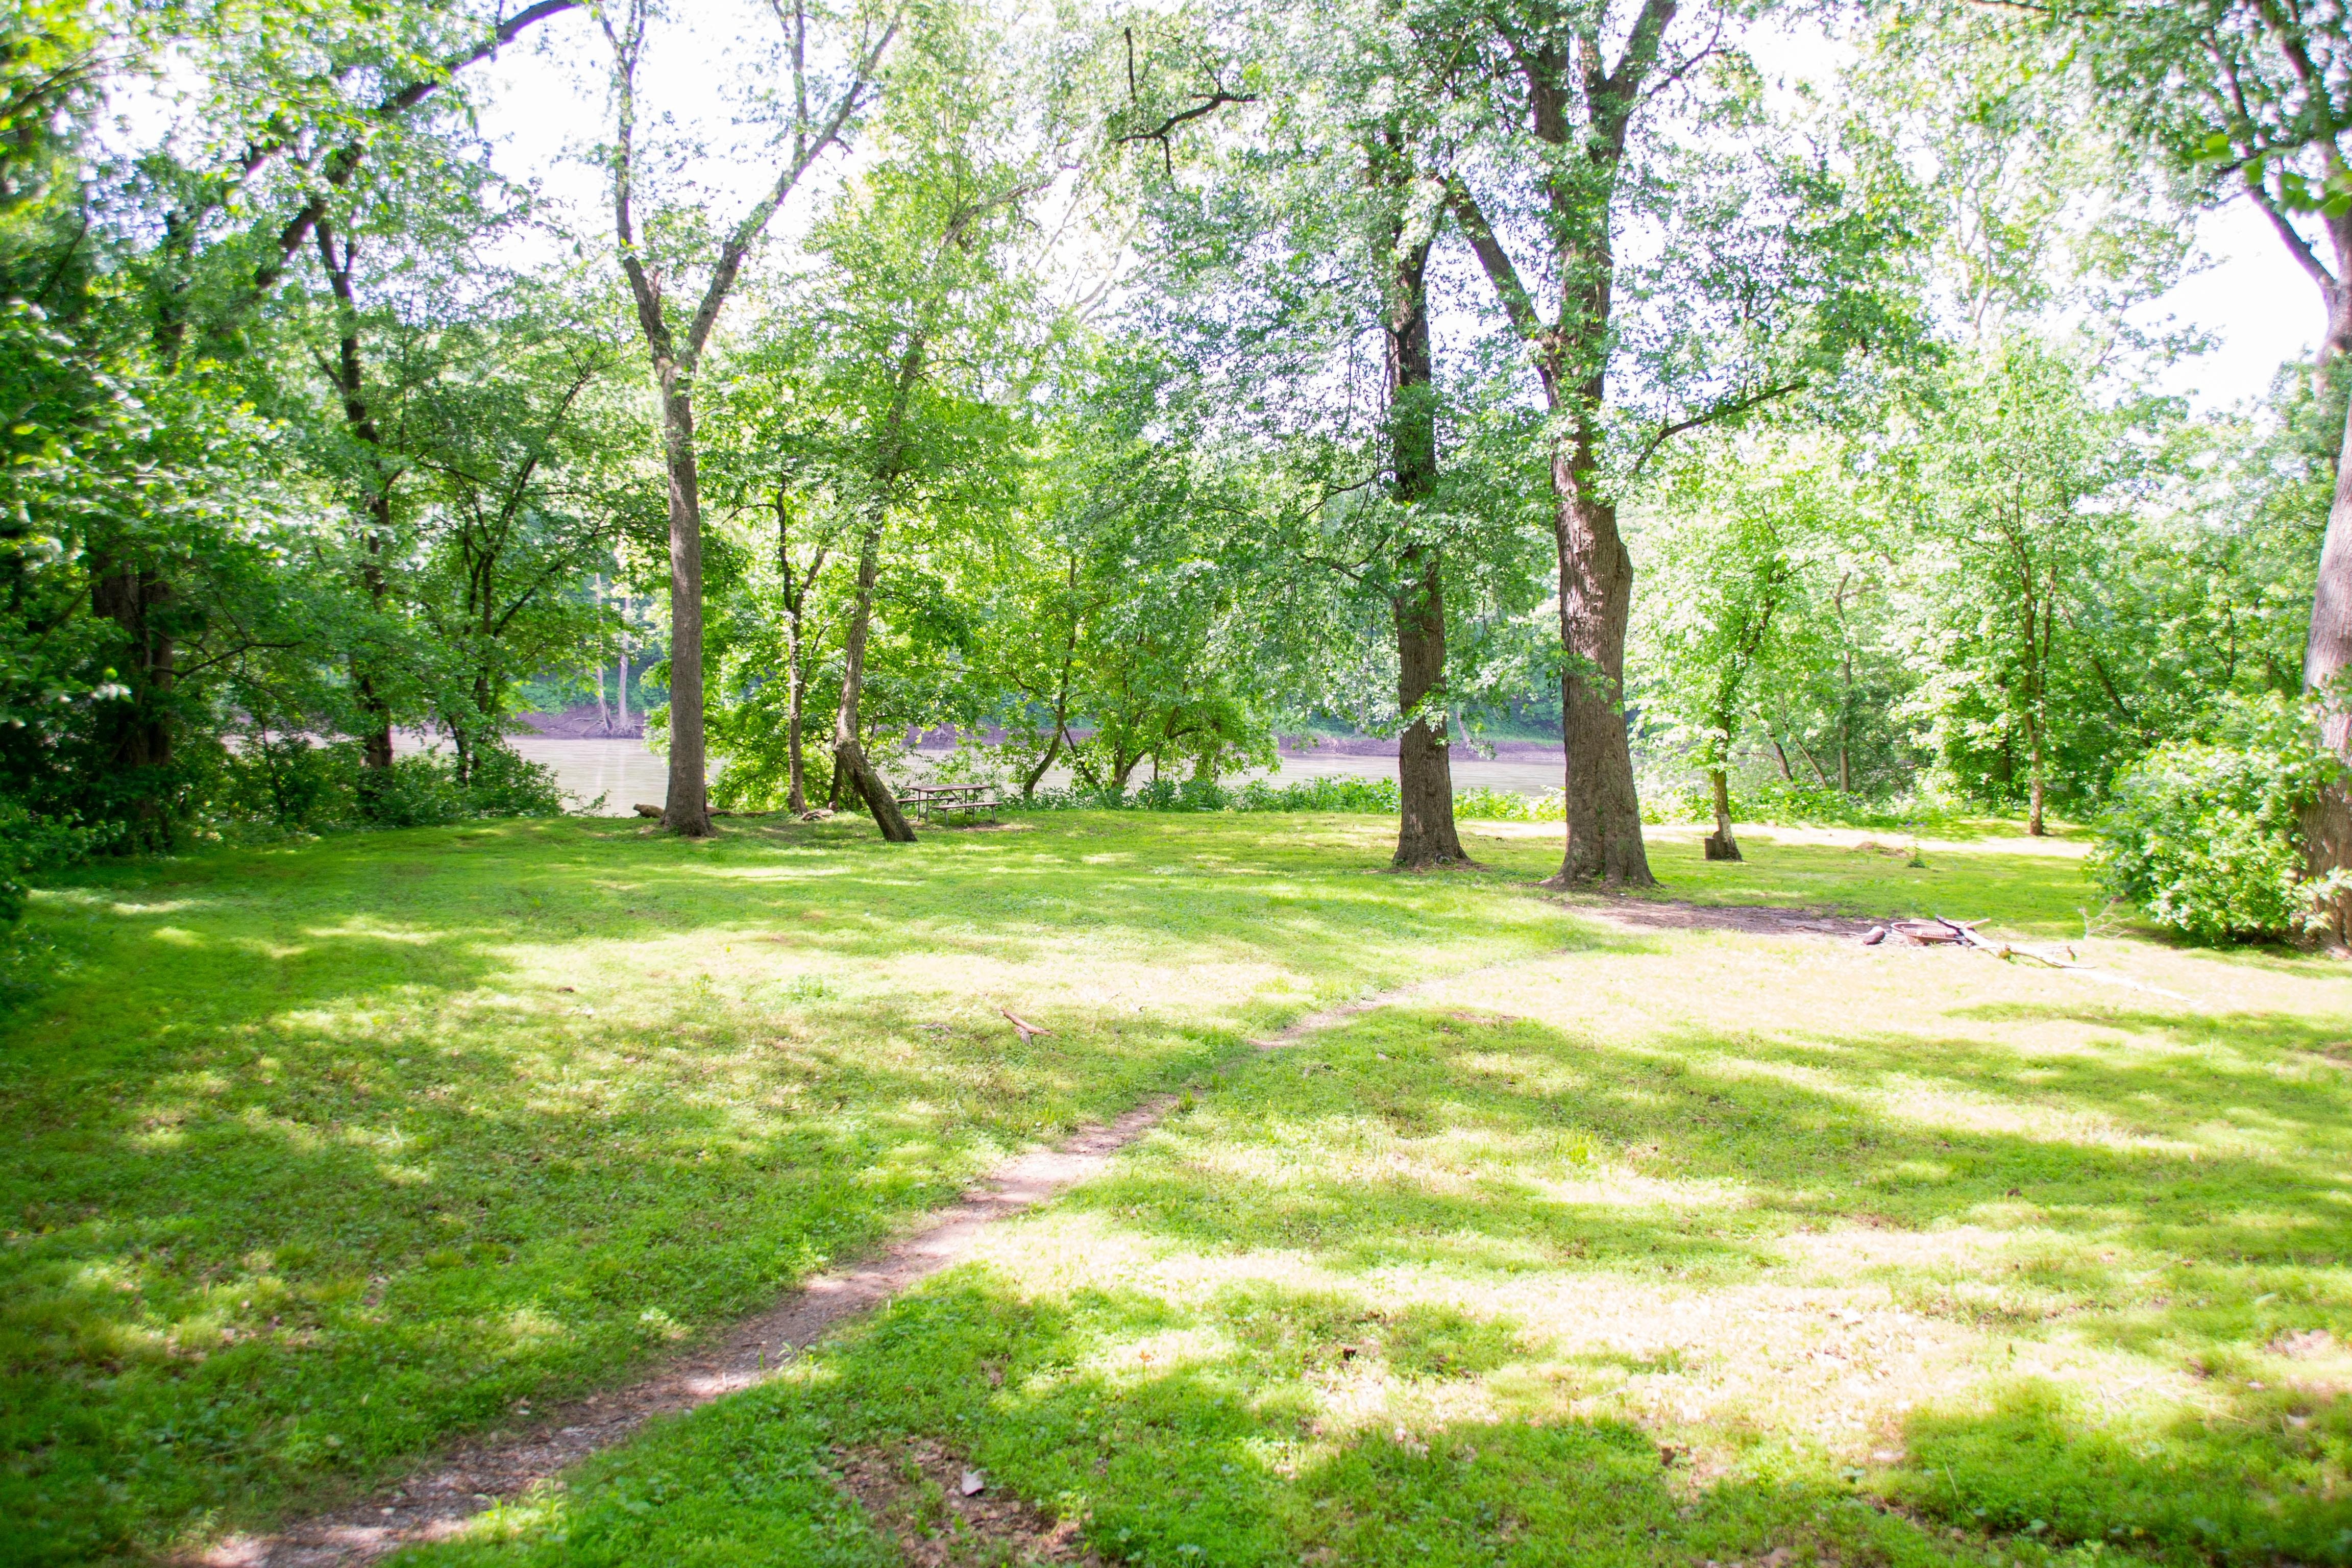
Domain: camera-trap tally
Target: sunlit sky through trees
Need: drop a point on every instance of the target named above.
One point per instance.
(545, 114)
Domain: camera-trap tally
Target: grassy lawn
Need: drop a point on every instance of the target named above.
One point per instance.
(1614, 1247)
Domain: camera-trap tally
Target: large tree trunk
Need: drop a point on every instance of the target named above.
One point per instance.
(2326, 653)
(1596, 598)
(1426, 831)
(849, 758)
(687, 808)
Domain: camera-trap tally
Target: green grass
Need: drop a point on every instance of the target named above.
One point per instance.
(319, 1163)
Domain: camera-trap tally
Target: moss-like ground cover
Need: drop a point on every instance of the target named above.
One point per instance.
(1618, 1248)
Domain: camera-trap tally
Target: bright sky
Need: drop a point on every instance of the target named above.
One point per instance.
(2255, 300)
(546, 104)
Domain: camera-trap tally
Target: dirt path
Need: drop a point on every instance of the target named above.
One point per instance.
(437, 1503)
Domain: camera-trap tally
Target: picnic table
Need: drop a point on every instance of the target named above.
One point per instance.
(936, 800)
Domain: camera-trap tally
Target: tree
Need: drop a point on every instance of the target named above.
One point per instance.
(676, 355)
(1342, 172)
(2016, 482)
(1743, 524)
(2244, 99)
(283, 136)
(1770, 279)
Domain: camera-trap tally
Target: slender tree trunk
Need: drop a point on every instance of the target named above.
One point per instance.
(849, 758)
(1720, 844)
(1061, 693)
(603, 708)
(2034, 787)
(796, 691)
(1061, 719)
(359, 418)
(375, 737)
(1425, 830)
(1785, 770)
(138, 728)
(1045, 765)
(1811, 761)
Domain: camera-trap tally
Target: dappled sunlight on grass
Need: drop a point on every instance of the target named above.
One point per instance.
(1604, 1245)
(1864, 1256)
(609, 1086)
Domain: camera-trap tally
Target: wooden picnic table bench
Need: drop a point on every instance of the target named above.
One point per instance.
(935, 800)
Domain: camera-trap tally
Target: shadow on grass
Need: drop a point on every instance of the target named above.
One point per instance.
(312, 1164)
(1220, 1460)
(1257, 1422)
(2194, 1258)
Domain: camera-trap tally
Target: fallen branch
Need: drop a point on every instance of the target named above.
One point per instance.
(1028, 1031)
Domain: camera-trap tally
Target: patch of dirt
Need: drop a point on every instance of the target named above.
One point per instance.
(1755, 919)
(914, 1492)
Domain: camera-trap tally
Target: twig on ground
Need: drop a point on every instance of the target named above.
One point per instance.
(1027, 1030)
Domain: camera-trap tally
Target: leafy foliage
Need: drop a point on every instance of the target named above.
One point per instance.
(2204, 835)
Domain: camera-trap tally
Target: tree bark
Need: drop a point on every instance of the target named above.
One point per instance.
(1603, 830)
(2326, 653)
(796, 594)
(359, 418)
(849, 758)
(138, 730)
(2033, 823)
(687, 810)
(1720, 844)
(1426, 831)
(795, 767)
(1596, 578)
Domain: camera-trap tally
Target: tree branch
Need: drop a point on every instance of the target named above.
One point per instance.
(344, 164)
(1736, 406)
(730, 258)
(1209, 105)
(1517, 302)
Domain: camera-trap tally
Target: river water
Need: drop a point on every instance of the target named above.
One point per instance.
(623, 772)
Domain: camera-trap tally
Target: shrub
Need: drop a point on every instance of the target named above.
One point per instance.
(506, 784)
(2206, 836)
(288, 785)
(28, 843)
(1343, 793)
(1481, 804)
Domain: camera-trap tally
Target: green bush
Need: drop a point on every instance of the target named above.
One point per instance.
(1344, 792)
(1480, 803)
(28, 843)
(288, 785)
(2205, 835)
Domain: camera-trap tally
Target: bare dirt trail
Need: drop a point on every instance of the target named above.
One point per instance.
(436, 1503)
